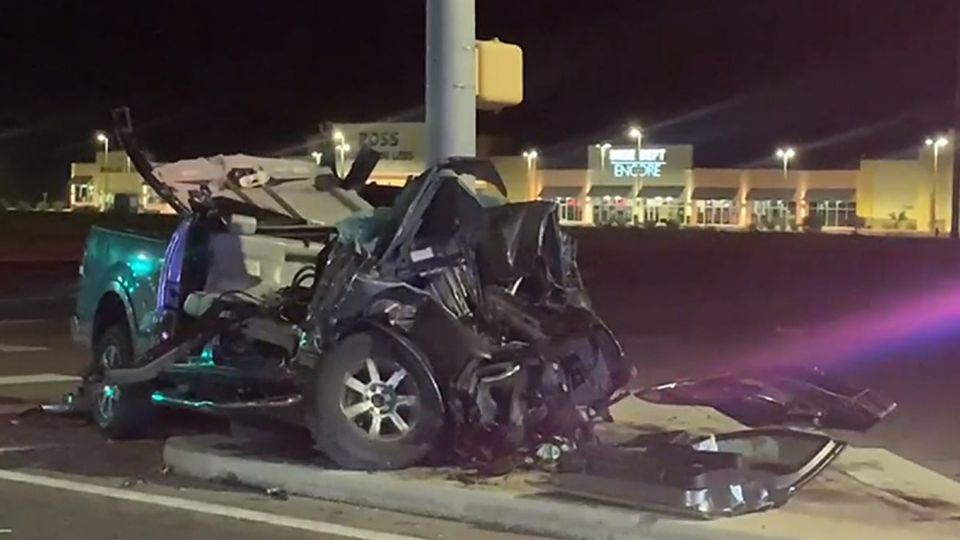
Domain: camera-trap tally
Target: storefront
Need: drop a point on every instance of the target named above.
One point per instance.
(660, 206)
(611, 205)
(568, 199)
(639, 186)
(715, 206)
(772, 209)
(833, 207)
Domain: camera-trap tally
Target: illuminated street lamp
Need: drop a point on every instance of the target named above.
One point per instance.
(937, 143)
(342, 149)
(531, 156)
(603, 154)
(103, 139)
(317, 156)
(785, 155)
(637, 133)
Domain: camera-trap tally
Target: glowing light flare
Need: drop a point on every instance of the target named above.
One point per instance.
(142, 265)
(923, 321)
(786, 153)
(937, 142)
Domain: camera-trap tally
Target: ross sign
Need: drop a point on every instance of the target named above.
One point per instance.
(638, 163)
(387, 143)
(396, 141)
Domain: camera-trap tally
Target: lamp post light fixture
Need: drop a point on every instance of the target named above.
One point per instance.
(604, 148)
(342, 149)
(936, 143)
(785, 155)
(105, 141)
(317, 156)
(531, 156)
(637, 133)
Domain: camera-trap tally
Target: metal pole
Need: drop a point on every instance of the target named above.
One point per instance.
(955, 191)
(933, 188)
(451, 85)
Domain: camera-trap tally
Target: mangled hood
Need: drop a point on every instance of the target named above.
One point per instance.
(289, 187)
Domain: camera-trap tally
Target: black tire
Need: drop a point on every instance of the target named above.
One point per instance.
(131, 414)
(349, 442)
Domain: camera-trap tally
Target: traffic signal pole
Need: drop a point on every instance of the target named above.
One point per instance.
(955, 191)
(451, 80)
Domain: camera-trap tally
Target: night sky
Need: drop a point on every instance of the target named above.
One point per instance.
(839, 79)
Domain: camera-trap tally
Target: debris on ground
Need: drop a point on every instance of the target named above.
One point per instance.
(276, 493)
(132, 482)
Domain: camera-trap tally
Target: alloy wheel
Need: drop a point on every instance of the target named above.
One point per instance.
(380, 398)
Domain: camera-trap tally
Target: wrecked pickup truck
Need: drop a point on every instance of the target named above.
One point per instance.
(397, 324)
(445, 321)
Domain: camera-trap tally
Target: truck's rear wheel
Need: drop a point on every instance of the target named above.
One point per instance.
(373, 406)
(121, 411)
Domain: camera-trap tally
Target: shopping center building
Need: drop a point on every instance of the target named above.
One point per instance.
(659, 186)
(623, 185)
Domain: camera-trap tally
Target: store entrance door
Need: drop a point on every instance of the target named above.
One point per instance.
(611, 211)
(661, 212)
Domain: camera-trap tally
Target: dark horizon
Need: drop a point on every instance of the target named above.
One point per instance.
(862, 78)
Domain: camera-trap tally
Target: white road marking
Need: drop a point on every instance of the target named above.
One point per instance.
(200, 507)
(21, 348)
(39, 378)
(28, 299)
(16, 408)
(15, 449)
(8, 322)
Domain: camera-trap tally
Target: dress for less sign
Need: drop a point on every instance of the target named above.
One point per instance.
(633, 162)
(396, 141)
(649, 163)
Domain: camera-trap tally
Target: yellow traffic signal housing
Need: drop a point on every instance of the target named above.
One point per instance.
(499, 75)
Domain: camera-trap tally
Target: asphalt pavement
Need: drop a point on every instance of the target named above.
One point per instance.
(118, 490)
(51, 506)
(38, 363)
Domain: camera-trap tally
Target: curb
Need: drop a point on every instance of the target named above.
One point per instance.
(217, 458)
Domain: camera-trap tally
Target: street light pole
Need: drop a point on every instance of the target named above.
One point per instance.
(451, 79)
(342, 149)
(531, 157)
(936, 144)
(338, 139)
(603, 155)
(955, 191)
(785, 155)
(102, 137)
(637, 133)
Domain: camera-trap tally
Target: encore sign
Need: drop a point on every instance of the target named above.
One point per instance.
(639, 163)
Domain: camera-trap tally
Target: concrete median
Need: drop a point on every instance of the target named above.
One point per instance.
(521, 503)
(838, 504)
(516, 505)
